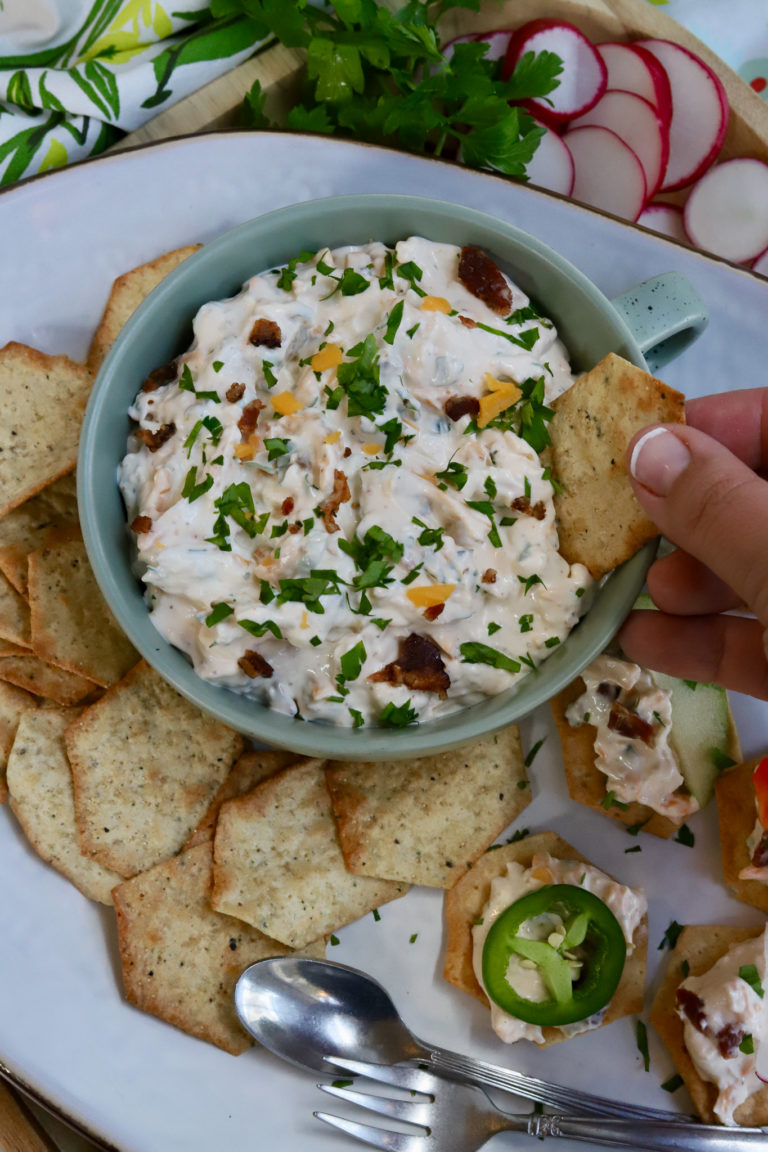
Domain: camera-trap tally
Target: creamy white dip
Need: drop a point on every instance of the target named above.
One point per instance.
(618, 698)
(726, 1011)
(628, 906)
(755, 840)
(291, 560)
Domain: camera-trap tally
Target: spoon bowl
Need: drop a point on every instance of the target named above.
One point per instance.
(304, 1010)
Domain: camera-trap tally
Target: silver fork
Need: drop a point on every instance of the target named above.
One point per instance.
(460, 1118)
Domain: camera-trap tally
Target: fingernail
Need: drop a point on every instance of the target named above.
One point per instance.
(657, 460)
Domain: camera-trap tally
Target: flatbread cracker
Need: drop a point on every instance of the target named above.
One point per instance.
(44, 399)
(14, 616)
(34, 675)
(72, 627)
(735, 798)
(278, 864)
(586, 783)
(426, 821)
(14, 702)
(599, 521)
(41, 797)
(24, 529)
(127, 293)
(701, 946)
(249, 771)
(146, 764)
(465, 902)
(181, 959)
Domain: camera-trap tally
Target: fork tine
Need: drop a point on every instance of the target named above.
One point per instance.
(398, 1075)
(377, 1137)
(412, 1111)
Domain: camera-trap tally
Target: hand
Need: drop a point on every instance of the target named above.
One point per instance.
(702, 484)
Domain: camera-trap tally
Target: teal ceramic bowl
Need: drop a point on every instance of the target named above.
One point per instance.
(160, 329)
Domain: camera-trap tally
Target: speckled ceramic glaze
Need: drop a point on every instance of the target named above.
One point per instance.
(659, 317)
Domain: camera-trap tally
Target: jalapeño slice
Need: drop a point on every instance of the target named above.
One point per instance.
(591, 934)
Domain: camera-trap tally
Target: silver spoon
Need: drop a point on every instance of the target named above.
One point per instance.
(304, 1010)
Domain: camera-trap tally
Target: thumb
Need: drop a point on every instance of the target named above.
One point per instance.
(705, 500)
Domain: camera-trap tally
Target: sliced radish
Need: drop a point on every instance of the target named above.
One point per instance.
(667, 219)
(699, 112)
(761, 264)
(639, 125)
(552, 164)
(727, 210)
(497, 42)
(608, 174)
(632, 68)
(584, 76)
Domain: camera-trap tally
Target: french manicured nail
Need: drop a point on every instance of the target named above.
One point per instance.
(657, 460)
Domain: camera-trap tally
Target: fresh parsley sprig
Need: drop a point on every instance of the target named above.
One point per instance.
(377, 75)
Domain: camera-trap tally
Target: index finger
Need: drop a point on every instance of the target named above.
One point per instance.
(739, 420)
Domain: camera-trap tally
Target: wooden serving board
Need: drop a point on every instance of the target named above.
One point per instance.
(217, 105)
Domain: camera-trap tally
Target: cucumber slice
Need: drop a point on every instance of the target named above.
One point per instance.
(701, 727)
(700, 732)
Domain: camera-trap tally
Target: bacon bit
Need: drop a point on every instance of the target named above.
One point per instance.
(434, 611)
(347, 453)
(254, 665)
(457, 406)
(235, 393)
(159, 376)
(728, 1039)
(468, 322)
(141, 524)
(692, 1007)
(523, 504)
(419, 666)
(295, 527)
(605, 688)
(489, 576)
(156, 439)
(629, 724)
(287, 506)
(435, 304)
(340, 495)
(249, 418)
(480, 275)
(265, 334)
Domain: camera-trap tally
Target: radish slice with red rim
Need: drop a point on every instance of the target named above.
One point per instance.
(726, 212)
(608, 174)
(552, 164)
(700, 112)
(498, 43)
(632, 68)
(639, 125)
(584, 76)
(761, 264)
(666, 219)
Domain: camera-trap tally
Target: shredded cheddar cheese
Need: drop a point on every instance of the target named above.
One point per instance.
(285, 404)
(329, 357)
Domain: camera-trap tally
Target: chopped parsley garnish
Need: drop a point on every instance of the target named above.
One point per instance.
(552, 642)
(430, 537)
(193, 491)
(414, 938)
(276, 447)
(522, 315)
(530, 581)
(634, 848)
(392, 430)
(526, 622)
(475, 653)
(212, 425)
(673, 1083)
(308, 589)
(218, 365)
(490, 487)
(411, 272)
(350, 283)
(393, 322)
(308, 525)
(374, 556)
(634, 829)
(278, 530)
(353, 660)
(269, 374)
(411, 576)
(518, 835)
(685, 836)
(747, 1045)
(642, 1045)
(493, 627)
(357, 717)
(487, 509)
(236, 502)
(749, 973)
(721, 760)
(610, 801)
(670, 936)
(187, 384)
(261, 629)
(376, 915)
(411, 332)
(218, 613)
(455, 474)
(533, 752)
(359, 379)
(315, 641)
(288, 274)
(386, 281)
(397, 715)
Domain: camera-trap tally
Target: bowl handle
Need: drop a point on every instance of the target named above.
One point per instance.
(665, 314)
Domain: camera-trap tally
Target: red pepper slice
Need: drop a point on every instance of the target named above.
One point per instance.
(760, 781)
